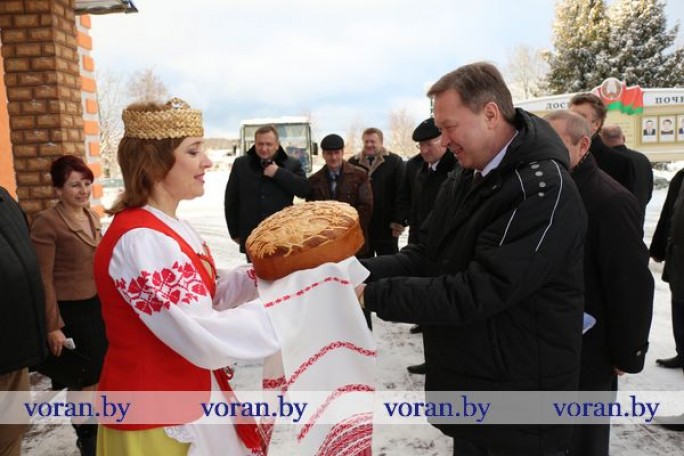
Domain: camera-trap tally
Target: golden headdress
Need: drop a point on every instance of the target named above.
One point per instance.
(176, 120)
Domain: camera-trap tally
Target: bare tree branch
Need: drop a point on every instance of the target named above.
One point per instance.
(401, 127)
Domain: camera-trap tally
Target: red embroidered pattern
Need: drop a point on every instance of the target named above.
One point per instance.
(342, 390)
(306, 289)
(155, 290)
(325, 350)
(283, 384)
(274, 383)
(352, 436)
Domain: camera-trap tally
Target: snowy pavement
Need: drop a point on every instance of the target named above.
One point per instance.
(397, 349)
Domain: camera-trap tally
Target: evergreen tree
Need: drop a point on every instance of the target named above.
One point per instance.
(580, 58)
(639, 41)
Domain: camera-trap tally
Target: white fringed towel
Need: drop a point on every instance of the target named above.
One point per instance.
(326, 347)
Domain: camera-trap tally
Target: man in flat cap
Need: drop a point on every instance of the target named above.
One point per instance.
(338, 180)
(425, 174)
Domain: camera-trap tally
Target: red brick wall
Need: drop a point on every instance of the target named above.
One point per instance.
(7, 179)
(43, 81)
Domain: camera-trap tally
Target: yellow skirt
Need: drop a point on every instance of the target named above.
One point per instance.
(149, 442)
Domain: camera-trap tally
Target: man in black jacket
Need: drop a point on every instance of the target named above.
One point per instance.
(618, 166)
(660, 251)
(22, 312)
(496, 277)
(262, 182)
(421, 187)
(613, 137)
(618, 284)
(386, 172)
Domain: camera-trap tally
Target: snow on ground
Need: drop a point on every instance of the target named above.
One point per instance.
(398, 349)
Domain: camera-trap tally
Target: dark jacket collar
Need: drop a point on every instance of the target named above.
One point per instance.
(536, 141)
(280, 155)
(584, 170)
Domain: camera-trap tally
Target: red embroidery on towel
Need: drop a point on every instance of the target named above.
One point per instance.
(341, 391)
(305, 290)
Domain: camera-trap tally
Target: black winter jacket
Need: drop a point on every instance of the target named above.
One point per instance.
(22, 306)
(426, 185)
(618, 283)
(497, 282)
(674, 256)
(661, 242)
(251, 196)
(616, 165)
(643, 176)
(386, 177)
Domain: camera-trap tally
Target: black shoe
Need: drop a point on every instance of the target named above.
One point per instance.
(415, 329)
(670, 363)
(671, 423)
(419, 369)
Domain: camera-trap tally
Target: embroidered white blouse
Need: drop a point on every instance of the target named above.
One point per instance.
(208, 334)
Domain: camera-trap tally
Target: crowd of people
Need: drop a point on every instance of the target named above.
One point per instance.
(518, 227)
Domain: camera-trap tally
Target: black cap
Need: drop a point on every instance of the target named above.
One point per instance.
(332, 142)
(426, 131)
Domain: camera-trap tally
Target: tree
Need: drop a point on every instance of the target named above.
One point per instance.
(580, 57)
(112, 97)
(526, 71)
(401, 127)
(639, 40)
(110, 103)
(145, 86)
(352, 142)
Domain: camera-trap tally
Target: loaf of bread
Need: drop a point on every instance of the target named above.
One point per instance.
(304, 236)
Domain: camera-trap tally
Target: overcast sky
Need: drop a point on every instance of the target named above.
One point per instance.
(343, 61)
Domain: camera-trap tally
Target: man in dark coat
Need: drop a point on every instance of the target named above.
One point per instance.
(423, 185)
(426, 179)
(618, 166)
(340, 181)
(618, 284)
(496, 277)
(386, 172)
(614, 138)
(660, 251)
(262, 182)
(22, 312)
(673, 273)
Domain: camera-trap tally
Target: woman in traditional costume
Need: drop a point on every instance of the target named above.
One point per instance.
(173, 322)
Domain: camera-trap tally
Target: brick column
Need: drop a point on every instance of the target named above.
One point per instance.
(39, 49)
(91, 125)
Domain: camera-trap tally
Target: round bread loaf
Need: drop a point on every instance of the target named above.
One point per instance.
(304, 236)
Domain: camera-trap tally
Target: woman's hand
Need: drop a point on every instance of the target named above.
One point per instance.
(56, 341)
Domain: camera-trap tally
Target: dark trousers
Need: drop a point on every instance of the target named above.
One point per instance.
(466, 448)
(678, 325)
(594, 439)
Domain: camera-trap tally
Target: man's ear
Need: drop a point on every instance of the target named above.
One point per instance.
(585, 144)
(492, 114)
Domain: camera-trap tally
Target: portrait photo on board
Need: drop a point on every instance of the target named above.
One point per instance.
(667, 128)
(648, 129)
